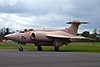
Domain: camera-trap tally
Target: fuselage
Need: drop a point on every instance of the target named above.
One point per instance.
(46, 37)
(37, 37)
(26, 37)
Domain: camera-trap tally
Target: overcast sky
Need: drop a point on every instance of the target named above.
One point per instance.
(37, 14)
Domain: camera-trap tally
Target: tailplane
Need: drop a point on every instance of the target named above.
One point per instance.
(74, 27)
(77, 22)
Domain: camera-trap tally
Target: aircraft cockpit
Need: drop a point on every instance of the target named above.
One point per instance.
(25, 30)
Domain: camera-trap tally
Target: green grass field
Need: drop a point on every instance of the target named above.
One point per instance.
(75, 47)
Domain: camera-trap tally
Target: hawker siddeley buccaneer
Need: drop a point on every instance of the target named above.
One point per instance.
(55, 38)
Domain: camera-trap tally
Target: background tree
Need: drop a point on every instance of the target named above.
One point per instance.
(97, 39)
(95, 31)
(99, 32)
(86, 34)
(7, 31)
(2, 33)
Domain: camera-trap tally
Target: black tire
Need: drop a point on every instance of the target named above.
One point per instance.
(39, 47)
(20, 49)
(56, 48)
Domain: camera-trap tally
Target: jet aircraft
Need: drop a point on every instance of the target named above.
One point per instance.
(55, 38)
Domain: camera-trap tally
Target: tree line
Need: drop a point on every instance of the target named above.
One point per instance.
(3, 32)
(94, 37)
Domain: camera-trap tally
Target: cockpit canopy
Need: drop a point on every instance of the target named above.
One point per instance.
(25, 30)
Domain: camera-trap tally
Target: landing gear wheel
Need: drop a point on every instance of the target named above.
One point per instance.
(39, 48)
(20, 49)
(56, 48)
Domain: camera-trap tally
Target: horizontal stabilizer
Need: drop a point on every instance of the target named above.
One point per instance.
(76, 22)
(84, 23)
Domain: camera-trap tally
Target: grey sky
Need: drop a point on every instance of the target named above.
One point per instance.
(18, 14)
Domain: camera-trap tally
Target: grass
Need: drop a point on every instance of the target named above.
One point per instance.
(75, 47)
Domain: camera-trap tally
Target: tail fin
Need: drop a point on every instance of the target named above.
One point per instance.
(74, 27)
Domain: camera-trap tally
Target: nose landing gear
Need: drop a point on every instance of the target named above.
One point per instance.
(20, 48)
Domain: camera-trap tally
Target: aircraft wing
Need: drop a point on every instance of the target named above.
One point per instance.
(67, 36)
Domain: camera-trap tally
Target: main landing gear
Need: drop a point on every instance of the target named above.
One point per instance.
(56, 47)
(39, 47)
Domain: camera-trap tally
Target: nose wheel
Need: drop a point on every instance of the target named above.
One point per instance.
(20, 48)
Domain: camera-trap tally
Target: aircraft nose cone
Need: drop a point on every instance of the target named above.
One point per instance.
(11, 37)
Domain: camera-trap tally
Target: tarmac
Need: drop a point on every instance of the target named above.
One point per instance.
(30, 58)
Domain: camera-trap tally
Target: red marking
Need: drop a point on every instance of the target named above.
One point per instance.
(26, 32)
(29, 32)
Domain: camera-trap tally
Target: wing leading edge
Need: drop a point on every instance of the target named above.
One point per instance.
(65, 36)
